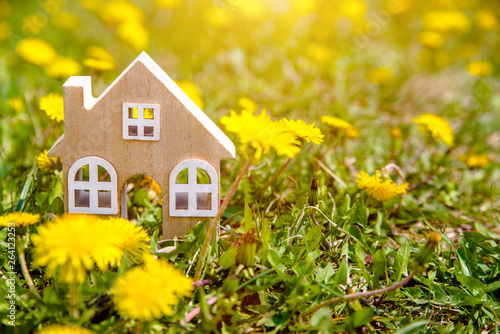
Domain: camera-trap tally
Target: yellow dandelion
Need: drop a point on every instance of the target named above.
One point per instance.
(259, 134)
(396, 133)
(247, 104)
(169, 4)
(128, 238)
(479, 68)
(5, 30)
(380, 188)
(478, 161)
(53, 105)
(134, 34)
(36, 51)
(16, 103)
(66, 20)
(99, 59)
(20, 219)
(431, 39)
(446, 21)
(48, 164)
(72, 245)
(437, 126)
(341, 126)
(192, 91)
(486, 20)
(64, 329)
(303, 131)
(115, 12)
(379, 75)
(149, 292)
(63, 67)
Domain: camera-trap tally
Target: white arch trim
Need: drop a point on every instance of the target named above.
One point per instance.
(93, 186)
(192, 188)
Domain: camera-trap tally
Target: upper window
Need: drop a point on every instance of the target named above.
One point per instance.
(194, 189)
(92, 187)
(141, 121)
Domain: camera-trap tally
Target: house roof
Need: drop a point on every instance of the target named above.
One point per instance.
(157, 71)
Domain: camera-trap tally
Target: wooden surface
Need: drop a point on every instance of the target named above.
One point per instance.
(93, 127)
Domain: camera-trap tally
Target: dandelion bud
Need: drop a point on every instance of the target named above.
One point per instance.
(425, 253)
(247, 248)
(313, 196)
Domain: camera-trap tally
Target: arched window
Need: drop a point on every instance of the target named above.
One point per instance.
(92, 187)
(194, 190)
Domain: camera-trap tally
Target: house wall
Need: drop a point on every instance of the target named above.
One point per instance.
(98, 132)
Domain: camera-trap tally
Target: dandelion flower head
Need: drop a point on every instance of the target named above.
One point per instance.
(341, 126)
(380, 188)
(149, 292)
(99, 59)
(303, 131)
(64, 329)
(72, 245)
(247, 103)
(20, 219)
(380, 75)
(478, 161)
(16, 103)
(191, 91)
(46, 163)
(133, 33)
(479, 68)
(437, 126)
(53, 105)
(258, 134)
(63, 67)
(36, 51)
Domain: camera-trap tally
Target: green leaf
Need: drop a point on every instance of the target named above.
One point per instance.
(401, 262)
(322, 320)
(247, 217)
(228, 259)
(358, 213)
(355, 231)
(413, 326)
(57, 206)
(379, 264)
(313, 237)
(362, 317)
(326, 273)
(342, 272)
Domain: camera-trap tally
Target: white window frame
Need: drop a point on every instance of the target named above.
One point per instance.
(140, 122)
(192, 188)
(93, 185)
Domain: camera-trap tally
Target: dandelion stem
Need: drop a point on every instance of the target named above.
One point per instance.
(356, 296)
(214, 222)
(117, 327)
(275, 176)
(74, 300)
(138, 327)
(26, 273)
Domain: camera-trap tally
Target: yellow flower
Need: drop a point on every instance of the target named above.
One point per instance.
(437, 126)
(478, 161)
(382, 189)
(16, 103)
(64, 329)
(247, 104)
(192, 91)
(396, 133)
(128, 237)
(5, 30)
(380, 75)
(72, 245)
(20, 219)
(353, 8)
(258, 134)
(115, 12)
(93, 5)
(151, 291)
(341, 125)
(53, 105)
(133, 33)
(46, 163)
(303, 131)
(170, 4)
(99, 59)
(486, 20)
(65, 20)
(479, 68)
(63, 67)
(431, 39)
(446, 21)
(36, 51)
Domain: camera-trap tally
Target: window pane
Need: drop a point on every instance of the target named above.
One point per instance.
(149, 131)
(148, 113)
(203, 201)
(132, 130)
(82, 174)
(132, 113)
(103, 174)
(182, 177)
(181, 201)
(202, 177)
(82, 199)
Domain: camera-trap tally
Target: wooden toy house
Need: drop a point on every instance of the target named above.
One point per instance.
(143, 123)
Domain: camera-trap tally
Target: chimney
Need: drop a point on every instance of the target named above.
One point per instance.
(77, 92)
